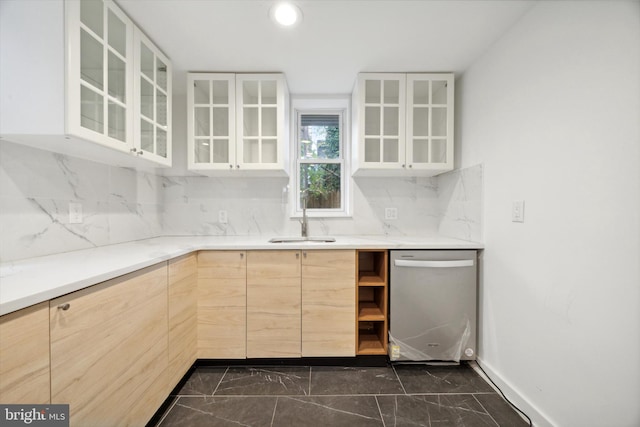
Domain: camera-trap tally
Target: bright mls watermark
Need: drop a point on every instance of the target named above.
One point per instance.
(34, 415)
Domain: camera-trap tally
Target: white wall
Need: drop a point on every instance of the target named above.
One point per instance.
(552, 110)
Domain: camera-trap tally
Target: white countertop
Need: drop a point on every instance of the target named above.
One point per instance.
(34, 280)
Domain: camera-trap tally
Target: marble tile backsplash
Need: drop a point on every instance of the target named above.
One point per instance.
(36, 187)
(121, 204)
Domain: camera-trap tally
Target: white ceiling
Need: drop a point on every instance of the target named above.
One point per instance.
(336, 40)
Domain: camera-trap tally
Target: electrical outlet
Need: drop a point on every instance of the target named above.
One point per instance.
(75, 213)
(391, 213)
(223, 218)
(517, 211)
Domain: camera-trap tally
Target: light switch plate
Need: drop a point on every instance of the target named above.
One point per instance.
(391, 213)
(223, 218)
(75, 213)
(517, 211)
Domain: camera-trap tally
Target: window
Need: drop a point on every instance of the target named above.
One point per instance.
(320, 179)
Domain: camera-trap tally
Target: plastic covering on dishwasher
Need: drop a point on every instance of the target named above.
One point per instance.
(446, 342)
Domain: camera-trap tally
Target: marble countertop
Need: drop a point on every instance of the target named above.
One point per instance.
(34, 280)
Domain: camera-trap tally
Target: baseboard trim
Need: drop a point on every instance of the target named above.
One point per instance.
(538, 418)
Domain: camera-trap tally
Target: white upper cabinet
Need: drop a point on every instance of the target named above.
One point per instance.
(78, 78)
(211, 99)
(238, 122)
(403, 124)
(152, 113)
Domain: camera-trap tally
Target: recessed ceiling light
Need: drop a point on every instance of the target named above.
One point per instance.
(286, 14)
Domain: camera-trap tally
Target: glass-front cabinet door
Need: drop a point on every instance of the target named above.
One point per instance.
(261, 121)
(211, 121)
(430, 121)
(152, 86)
(99, 77)
(381, 103)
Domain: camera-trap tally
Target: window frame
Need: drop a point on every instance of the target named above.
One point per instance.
(334, 105)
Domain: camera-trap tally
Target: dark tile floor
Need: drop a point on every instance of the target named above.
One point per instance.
(404, 395)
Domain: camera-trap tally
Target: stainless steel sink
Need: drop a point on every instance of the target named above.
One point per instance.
(302, 240)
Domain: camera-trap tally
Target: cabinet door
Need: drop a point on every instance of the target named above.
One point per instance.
(262, 121)
(24, 356)
(222, 304)
(99, 73)
(152, 87)
(430, 121)
(381, 102)
(183, 313)
(211, 121)
(273, 304)
(109, 349)
(328, 303)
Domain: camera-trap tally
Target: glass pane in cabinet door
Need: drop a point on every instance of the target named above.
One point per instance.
(372, 121)
(439, 92)
(269, 122)
(202, 151)
(250, 92)
(161, 108)
(117, 121)
(117, 34)
(269, 92)
(221, 151)
(391, 121)
(161, 74)
(420, 151)
(146, 98)
(92, 15)
(251, 151)
(250, 117)
(390, 152)
(372, 150)
(201, 121)
(146, 61)
(220, 92)
(372, 91)
(91, 110)
(420, 92)
(146, 136)
(91, 60)
(438, 121)
(269, 151)
(201, 91)
(161, 142)
(438, 151)
(220, 121)
(117, 77)
(420, 121)
(391, 92)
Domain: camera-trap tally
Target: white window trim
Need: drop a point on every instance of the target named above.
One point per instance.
(326, 104)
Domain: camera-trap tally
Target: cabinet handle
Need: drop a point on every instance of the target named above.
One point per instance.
(410, 166)
(64, 307)
(237, 166)
(230, 166)
(241, 255)
(134, 150)
(140, 153)
(297, 255)
(403, 166)
(304, 254)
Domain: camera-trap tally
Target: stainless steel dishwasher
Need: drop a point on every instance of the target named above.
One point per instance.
(432, 305)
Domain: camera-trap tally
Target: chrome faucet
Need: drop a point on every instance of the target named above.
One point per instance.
(304, 223)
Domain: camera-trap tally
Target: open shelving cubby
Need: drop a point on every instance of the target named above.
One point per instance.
(372, 301)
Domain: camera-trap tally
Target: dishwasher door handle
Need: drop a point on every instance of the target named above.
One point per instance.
(433, 264)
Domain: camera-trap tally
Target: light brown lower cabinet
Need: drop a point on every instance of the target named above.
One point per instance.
(273, 304)
(24, 356)
(183, 315)
(222, 305)
(109, 349)
(328, 303)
